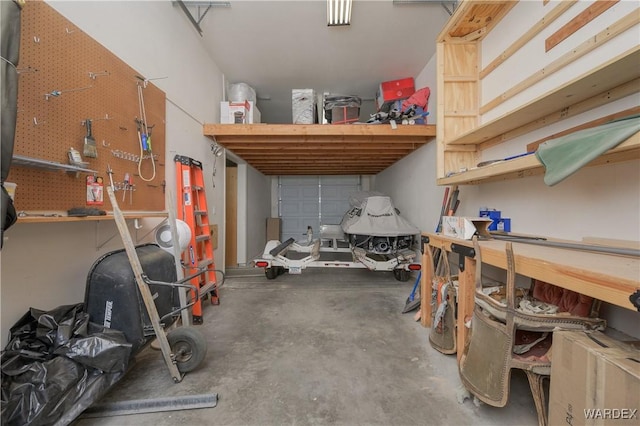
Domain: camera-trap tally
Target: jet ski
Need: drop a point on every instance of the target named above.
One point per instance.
(375, 225)
(372, 231)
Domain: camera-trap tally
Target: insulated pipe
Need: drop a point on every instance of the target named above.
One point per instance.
(574, 246)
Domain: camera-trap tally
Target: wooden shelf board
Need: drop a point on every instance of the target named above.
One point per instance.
(327, 131)
(530, 165)
(607, 76)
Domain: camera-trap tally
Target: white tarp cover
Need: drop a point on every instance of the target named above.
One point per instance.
(377, 217)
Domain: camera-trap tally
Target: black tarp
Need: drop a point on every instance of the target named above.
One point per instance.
(9, 50)
(57, 364)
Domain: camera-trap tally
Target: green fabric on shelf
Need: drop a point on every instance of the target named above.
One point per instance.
(565, 155)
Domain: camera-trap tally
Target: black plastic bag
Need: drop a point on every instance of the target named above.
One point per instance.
(57, 364)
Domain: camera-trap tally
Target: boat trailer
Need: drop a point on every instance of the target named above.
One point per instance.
(331, 250)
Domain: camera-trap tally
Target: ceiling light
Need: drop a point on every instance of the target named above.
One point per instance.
(338, 12)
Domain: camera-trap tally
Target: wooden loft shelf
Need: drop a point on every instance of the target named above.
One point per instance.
(316, 132)
(605, 77)
(312, 149)
(530, 165)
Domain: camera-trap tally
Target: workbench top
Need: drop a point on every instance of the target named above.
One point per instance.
(608, 277)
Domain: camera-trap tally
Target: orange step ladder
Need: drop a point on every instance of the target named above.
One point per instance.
(192, 209)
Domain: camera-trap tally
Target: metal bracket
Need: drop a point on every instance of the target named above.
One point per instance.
(184, 5)
(423, 240)
(454, 4)
(463, 251)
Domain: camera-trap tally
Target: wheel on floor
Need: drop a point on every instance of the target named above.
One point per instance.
(188, 346)
(401, 274)
(272, 272)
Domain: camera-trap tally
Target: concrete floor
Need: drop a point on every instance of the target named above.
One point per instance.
(325, 347)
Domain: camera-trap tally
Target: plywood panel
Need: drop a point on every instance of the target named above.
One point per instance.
(460, 60)
(458, 111)
(454, 162)
(66, 78)
(474, 16)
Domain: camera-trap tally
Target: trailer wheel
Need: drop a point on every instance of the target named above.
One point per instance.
(281, 270)
(188, 346)
(271, 273)
(401, 274)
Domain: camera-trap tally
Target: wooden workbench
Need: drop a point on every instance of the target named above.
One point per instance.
(609, 278)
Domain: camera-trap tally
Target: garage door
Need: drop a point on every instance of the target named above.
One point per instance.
(313, 200)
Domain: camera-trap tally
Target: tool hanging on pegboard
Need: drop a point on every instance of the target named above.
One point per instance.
(144, 134)
(95, 190)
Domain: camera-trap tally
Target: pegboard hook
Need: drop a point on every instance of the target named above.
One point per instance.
(106, 117)
(36, 39)
(56, 93)
(27, 70)
(93, 75)
(145, 81)
(36, 123)
(68, 31)
(105, 143)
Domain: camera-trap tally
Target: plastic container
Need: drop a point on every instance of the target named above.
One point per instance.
(241, 92)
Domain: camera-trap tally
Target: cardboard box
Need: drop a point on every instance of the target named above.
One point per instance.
(303, 106)
(213, 232)
(344, 115)
(503, 225)
(393, 90)
(465, 227)
(595, 380)
(492, 214)
(273, 228)
(239, 113)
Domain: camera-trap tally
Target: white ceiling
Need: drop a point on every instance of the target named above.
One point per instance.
(277, 46)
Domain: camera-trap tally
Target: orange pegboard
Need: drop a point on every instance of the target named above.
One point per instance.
(65, 78)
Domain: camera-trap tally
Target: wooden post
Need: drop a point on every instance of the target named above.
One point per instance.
(147, 297)
(425, 286)
(466, 300)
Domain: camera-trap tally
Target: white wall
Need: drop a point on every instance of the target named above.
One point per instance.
(411, 182)
(258, 210)
(46, 265)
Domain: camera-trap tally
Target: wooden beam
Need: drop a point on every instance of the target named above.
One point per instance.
(319, 130)
(305, 146)
(528, 36)
(589, 14)
(466, 302)
(472, 20)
